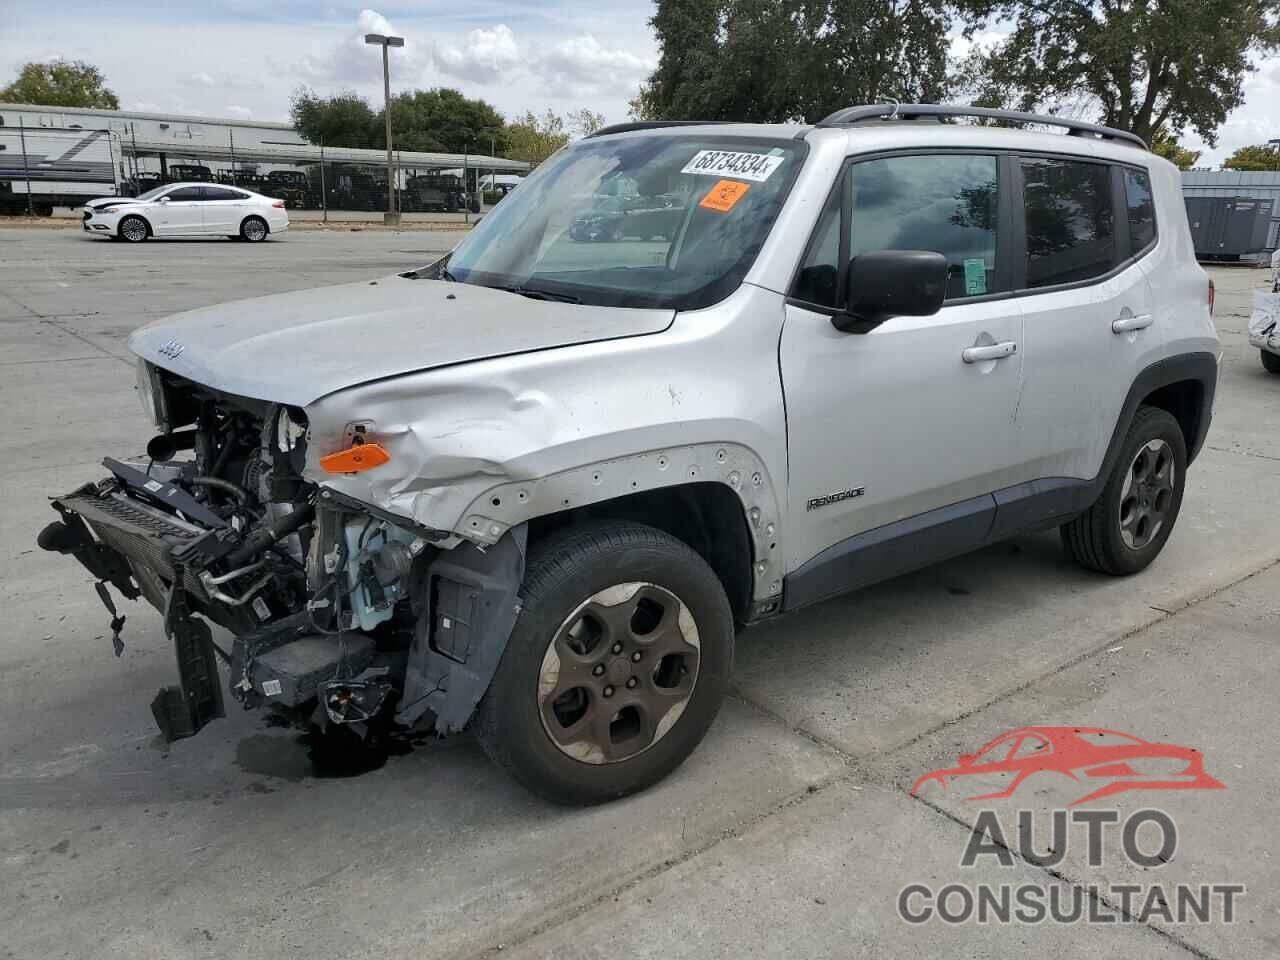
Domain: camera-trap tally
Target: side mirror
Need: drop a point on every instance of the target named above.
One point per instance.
(891, 283)
(164, 199)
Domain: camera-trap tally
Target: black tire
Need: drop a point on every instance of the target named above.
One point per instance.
(1270, 361)
(254, 229)
(1096, 539)
(562, 573)
(133, 228)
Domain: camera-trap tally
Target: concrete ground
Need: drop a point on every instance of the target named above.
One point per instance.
(790, 831)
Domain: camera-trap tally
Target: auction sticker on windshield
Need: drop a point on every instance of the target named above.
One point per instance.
(724, 195)
(744, 166)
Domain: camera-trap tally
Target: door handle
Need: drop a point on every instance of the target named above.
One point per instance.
(991, 351)
(1125, 324)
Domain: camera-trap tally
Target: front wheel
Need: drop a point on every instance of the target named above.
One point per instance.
(1128, 525)
(615, 668)
(133, 229)
(1270, 361)
(253, 229)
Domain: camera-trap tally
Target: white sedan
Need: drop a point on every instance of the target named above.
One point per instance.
(187, 209)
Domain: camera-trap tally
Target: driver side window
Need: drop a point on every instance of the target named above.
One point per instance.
(945, 203)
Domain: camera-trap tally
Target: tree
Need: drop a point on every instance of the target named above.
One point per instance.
(1164, 144)
(1142, 65)
(533, 139)
(584, 123)
(1261, 157)
(781, 60)
(443, 120)
(343, 120)
(61, 83)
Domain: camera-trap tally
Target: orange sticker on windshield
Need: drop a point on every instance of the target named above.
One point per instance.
(724, 195)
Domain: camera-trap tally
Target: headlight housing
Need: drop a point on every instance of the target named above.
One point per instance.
(151, 393)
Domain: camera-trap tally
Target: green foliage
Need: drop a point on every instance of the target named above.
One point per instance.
(343, 120)
(533, 139)
(61, 83)
(442, 120)
(781, 60)
(1261, 157)
(1164, 144)
(1142, 65)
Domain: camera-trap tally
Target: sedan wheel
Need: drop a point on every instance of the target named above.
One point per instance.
(133, 229)
(253, 229)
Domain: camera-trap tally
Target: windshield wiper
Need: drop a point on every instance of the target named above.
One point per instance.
(536, 294)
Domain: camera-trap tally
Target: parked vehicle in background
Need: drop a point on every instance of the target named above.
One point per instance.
(535, 487)
(190, 172)
(291, 186)
(60, 168)
(187, 209)
(433, 192)
(1264, 323)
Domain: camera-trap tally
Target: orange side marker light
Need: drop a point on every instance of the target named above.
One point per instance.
(355, 459)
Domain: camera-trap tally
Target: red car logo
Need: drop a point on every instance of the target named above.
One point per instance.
(1083, 754)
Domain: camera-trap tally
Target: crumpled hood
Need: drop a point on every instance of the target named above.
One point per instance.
(297, 347)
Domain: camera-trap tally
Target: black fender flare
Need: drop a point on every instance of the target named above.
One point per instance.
(1201, 367)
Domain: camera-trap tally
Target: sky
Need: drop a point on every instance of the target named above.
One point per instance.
(244, 58)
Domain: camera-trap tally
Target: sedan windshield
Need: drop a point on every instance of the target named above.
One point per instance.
(651, 221)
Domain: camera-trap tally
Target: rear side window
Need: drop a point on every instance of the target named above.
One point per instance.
(222, 193)
(1070, 221)
(1141, 209)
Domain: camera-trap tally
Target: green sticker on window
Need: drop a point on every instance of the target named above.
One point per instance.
(975, 277)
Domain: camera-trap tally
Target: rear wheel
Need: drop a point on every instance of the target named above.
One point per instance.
(1126, 528)
(1270, 361)
(615, 668)
(253, 229)
(133, 229)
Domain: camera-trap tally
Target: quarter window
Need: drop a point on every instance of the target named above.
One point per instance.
(1142, 211)
(1070, 221)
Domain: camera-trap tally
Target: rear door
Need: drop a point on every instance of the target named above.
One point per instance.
(906, 419)
(224, 208)
(1087, 306)
(181, 212)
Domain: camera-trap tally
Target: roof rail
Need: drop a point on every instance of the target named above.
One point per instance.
(648, 125)
(915, 111)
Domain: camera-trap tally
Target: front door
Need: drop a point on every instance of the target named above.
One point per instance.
(891, 428)
(180, 212)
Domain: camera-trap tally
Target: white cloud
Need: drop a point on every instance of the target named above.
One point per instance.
(237, 112)
(354, 62)
(582, 66)
(484, 57)
(203, 79)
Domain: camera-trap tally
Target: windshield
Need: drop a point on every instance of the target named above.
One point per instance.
(152, 193)
(655, 221)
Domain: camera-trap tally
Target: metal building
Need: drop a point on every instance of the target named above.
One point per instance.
(273, 158)
(1246, 185)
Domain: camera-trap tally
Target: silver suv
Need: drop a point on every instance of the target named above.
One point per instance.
(536, 487)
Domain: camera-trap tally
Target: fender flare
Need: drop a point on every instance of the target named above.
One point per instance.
(1201, 367)
(507, 504)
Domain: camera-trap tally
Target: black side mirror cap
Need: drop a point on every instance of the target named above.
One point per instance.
(891, 283)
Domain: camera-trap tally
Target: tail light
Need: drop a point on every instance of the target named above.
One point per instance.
(280, 205)
(1211, 296)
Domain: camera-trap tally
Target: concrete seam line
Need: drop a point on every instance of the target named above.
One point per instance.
(1244, 453)
(853, 767)
(86, 341)
(1062, 877)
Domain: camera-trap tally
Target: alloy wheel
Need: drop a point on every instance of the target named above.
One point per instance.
(1147, 494)
(618, 673)
(134, 229)
(254, 230)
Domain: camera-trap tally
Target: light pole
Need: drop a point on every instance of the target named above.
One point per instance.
(391, 217)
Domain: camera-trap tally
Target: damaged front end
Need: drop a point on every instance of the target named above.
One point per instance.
(326, 599)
